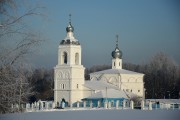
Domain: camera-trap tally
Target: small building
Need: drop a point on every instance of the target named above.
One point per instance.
(111, 96)
(164, 103)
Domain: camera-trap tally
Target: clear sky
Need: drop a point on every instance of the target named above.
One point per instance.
(145, 27)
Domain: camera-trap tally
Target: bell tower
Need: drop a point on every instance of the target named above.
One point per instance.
(116, 57)
(69, 73)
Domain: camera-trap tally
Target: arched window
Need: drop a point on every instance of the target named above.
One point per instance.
(114, 64)
(63, 86)
(77, 58)
(64, 57)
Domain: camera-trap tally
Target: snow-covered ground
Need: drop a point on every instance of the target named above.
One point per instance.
(96, 115)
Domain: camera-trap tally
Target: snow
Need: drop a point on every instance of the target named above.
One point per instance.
(99, 85)
(115, 71)
(94, 114)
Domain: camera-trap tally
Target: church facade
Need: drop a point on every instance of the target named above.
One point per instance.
(69, 82)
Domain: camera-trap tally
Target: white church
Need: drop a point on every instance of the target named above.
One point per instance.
(112, 84)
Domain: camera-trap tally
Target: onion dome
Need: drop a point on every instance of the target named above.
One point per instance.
(70, 28)
(116, 53)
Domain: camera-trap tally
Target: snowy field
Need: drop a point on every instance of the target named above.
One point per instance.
(96, 115)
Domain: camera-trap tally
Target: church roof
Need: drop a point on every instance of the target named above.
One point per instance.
(111, 93)
(99, 85)
(116, 71)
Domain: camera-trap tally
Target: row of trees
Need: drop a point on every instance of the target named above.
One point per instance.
(162, 77)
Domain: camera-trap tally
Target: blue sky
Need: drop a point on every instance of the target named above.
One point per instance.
(145, 27)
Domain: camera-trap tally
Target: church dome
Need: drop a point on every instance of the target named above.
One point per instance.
(70, 28)
(116, 53)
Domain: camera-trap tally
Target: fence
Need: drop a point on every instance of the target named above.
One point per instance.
(50, 105)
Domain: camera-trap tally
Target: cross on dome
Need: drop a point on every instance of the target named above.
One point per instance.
(117, 41)
(69, 18)
(70, 28)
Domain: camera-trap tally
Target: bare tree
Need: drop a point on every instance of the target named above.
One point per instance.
(161, 77)
(16, 41)
(43, 82)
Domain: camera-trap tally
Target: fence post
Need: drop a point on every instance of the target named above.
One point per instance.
(53, 105)
(77, 104)
(132, 104)
(98, 104)
(46, 105)
(84, 104)
(12, 106)
(91, 104)
(109, 105)
(32, 106)
(124, 104)
(117, 104)
(105, 104)
(150, 105)
(142, 105)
